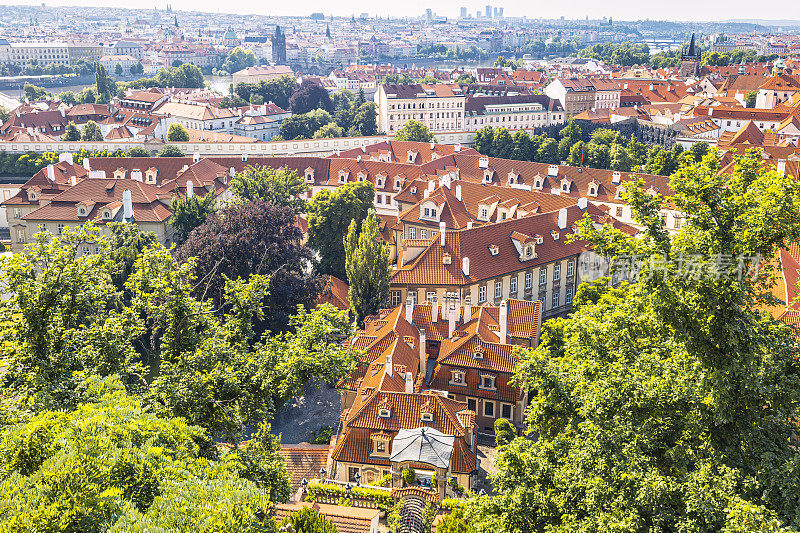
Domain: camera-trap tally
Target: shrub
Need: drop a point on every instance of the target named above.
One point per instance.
(504, 432)
(410, 476)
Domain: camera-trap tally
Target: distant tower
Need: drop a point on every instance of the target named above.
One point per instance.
(741, 68)
(500, 13)
(328, 31)
(463, 13)
(690, 61)
(488, 11)
(279, 47)
(429, 14)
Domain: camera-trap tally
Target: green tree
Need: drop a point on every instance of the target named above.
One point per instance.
(329, 131)
(308, 520)
(91, 132)
(71, 132)
(365, 119)
(137, 152)
(502, 145)
(414, 130)
(110, 465)
(177, 133)
(367, 267)
(279, 186)
(330, 213)
(118, 69)
(668, 404)
(522, 146)
(170, 151)
(32, 92)
(484, 141)
(455, 522)
(577, 154)
(188, 212)
(548, 151)
(750, 99)
(504, 431)
(620, 158)
(68, 97)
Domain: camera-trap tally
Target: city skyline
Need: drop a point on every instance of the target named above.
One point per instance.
(674, 11)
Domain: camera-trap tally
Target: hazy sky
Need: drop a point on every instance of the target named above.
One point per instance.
(619, 9)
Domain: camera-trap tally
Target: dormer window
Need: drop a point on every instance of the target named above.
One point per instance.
(362, 176)
(538, 183)
(554, 234)
(618, 194)
(566, 185)
(426, 417)
(592, 190)
(309, 175)
(483, 214)
(447, 259)
(119, 174)
(106, 214)
(413, 190)
(384, 412)
(379, 182)
(513, 178)
(343, 174)
(398, 183)
(494, 249)
(32, 195)
(529, 251)
(487, 176)
(477, 355)
(151, 175)
(539, 239)
(82, 211)
(411, 155)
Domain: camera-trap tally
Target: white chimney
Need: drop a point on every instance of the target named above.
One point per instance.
(441, 232)
(503, 322)
(469, 225)
(409, 312)
(409, 383)
(435, 311)
(189, 189)
(781, 167)
(467, 313)
(63, 114)
(582, 203)
(562, 218)
(51, 173)
(127, 205)
(431, 185)
(73, 180)
(465, 266)
(244, 157)
(389, 364)
(232, 172)
(458, 192)
(452, 323)
(426, 193)
(136, 175)
(86, 163)
(196, 157)
(65, 157)
(423, 356)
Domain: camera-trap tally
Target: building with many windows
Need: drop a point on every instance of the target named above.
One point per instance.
(439, 106)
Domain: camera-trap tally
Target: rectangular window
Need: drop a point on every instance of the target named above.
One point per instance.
(457, 377)
(555, 299)
(542, 275)
(60, 229)
(570, 268)
(472, 404)
(86, 250)
(506, 410)
(395, 298)
(412, 233)
(351, 473)
(412, 297)
(482, 294)
(619, 211)
(423, 234)
(17, 212)
(430, 296)
(528, 280)
(380, 446)
(488, 409)
(487, 382)
(498, 289)
(556, 272)
(512, 285)
(20, 235)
